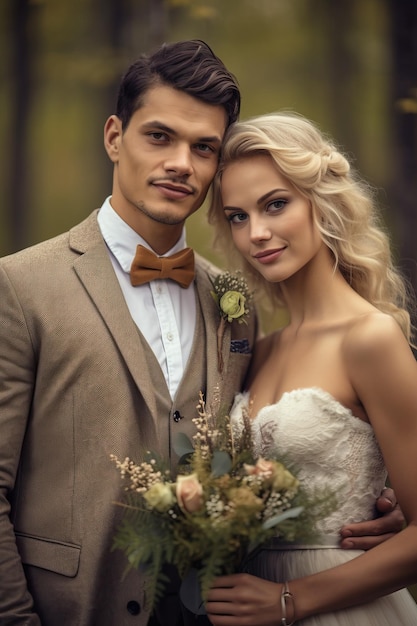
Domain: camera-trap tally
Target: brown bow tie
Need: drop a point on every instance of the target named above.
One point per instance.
(147, 266)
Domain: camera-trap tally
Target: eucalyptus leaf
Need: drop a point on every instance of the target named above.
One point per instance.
(221, 463)
(184, 462)
(182, 444)
(277, 519)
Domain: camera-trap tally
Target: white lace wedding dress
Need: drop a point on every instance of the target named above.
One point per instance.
(328, 446)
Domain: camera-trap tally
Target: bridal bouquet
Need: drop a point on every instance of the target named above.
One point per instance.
(221, 505)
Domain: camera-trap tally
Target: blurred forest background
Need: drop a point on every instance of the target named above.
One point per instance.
(350, 65)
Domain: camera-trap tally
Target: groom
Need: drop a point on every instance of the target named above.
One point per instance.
(96, 360)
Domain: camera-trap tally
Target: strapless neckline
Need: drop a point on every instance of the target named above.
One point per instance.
(316, 392)
(325, 443)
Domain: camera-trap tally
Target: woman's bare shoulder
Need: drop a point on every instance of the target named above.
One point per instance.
(372, 332)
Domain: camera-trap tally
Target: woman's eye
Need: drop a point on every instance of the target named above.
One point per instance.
(237, 218)
(277, 205)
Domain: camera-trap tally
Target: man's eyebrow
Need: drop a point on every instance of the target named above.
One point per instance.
(167, 129)
(212, 139)
(159, 125)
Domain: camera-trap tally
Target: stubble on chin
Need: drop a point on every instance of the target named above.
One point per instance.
(162, 217)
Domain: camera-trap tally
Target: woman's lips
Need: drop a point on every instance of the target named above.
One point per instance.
(268, 256)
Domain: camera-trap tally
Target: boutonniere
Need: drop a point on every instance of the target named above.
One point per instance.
(232, 295)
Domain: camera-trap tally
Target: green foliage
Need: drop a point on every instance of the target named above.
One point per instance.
(151, 549)
(222, 505)
(281, 53)
(221, 463)
(182, 445)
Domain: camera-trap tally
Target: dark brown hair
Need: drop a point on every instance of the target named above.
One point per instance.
(189, 66)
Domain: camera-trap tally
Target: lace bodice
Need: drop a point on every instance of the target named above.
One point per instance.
(326, 445)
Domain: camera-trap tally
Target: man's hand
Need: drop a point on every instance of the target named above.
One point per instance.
(366, 535)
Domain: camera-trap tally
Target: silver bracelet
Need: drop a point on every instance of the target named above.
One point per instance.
(286, 595)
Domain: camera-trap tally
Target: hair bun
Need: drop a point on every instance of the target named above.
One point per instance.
(334, 162)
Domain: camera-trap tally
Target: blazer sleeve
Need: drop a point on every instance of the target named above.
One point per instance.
(17, 367)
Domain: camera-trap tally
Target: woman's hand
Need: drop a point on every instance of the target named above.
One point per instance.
(244, 600)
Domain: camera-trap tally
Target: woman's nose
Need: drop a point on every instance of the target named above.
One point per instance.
(259, 230)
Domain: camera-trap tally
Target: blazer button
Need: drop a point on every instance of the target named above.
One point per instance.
(133, 607)
(177, 416)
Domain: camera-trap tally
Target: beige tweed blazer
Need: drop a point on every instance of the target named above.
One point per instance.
(78, 383)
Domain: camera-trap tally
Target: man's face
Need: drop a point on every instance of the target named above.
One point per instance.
(165, 159)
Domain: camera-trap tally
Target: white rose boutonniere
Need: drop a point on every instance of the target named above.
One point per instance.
(232, 295)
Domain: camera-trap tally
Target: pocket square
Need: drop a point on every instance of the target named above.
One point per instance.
(240, 345)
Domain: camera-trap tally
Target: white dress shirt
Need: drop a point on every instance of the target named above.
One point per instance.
(164, 312)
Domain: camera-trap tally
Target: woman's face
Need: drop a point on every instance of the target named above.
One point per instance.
(271, 223)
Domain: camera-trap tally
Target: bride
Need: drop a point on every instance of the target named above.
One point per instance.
(335, 390)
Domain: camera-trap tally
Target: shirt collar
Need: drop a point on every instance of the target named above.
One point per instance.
(122, 240)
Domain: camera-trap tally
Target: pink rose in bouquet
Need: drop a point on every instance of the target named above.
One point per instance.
(189, 493)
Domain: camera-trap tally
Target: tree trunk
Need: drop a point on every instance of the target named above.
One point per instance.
(404, 161)
(24, 54)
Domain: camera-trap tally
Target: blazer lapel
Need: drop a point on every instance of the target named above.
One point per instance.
(211, 317)
(96, 273)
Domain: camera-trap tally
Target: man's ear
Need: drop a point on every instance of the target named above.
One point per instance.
(112, 137)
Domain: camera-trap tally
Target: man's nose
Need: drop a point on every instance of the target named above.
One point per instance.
(179, 160)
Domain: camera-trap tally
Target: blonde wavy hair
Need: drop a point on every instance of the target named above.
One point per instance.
(343, 205)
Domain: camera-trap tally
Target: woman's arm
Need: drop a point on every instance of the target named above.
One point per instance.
(383, 371)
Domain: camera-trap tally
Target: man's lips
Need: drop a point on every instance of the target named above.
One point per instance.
(268, 256)
(173, 190)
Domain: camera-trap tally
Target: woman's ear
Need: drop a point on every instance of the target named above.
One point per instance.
(112, 137)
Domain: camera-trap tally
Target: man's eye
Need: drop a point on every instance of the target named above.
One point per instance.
(157, 136)
(204, 147)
